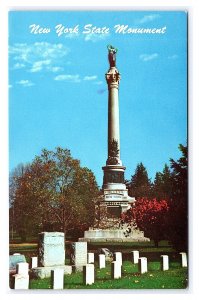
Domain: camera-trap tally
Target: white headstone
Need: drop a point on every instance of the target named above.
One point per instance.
(51, 249)
(57, 278)
(21, 282)
(34, 262)
(14, 260)
(79, 255)
(142, 263)
(184, 259)
(116, 271)
(135, 256)
(118, 257)
(22, 268)
(165, 262)
(88, 274)
(90, 258)
(102, 263)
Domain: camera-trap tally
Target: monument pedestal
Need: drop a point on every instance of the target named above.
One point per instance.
(108, 227)
(113, 235)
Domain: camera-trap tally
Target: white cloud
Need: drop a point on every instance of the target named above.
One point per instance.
(68, 77)
(38, 56)
(93, 37)
(174, 56)
(89, 78)
(25, 83)
(18, 66)
(148, 18)
(39, 65)
(55, 69)
(147, 57)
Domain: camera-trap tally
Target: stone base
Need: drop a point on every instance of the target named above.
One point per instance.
(45, 272)
(113, 235)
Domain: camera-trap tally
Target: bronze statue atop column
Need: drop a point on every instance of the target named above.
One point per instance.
(112, 55)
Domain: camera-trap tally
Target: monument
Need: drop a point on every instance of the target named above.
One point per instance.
(114, 199)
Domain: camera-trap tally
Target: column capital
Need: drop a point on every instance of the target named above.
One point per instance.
(113, 77)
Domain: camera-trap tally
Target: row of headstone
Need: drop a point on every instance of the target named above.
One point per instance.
(135, 259)
(57, 275)
(165, 259)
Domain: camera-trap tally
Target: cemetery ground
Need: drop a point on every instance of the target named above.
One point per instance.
(174, 278)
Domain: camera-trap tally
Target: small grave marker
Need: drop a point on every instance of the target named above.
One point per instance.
(142, 264)
(165, 262)
(118, 257)
(90, 258)
(34, 262)
(88, 274)
(21, 282)
(57, 279)
(135, 256)
(183, 259)
(102, 263)
(22, 268)
(116, 271)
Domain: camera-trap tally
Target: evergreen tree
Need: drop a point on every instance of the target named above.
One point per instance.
(179, 202)
(140, 184)
(162, 186)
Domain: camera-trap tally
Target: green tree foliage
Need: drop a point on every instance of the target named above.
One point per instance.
(170, 185)
(162, 186)
(54, 193)
(140, 184)
(179, 201)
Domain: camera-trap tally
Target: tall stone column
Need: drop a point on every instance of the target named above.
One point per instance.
(113, 171)
(113, 79)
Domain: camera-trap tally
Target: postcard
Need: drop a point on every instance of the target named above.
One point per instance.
(98, 149)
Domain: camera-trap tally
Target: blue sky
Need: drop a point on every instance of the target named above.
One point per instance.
(58, 93)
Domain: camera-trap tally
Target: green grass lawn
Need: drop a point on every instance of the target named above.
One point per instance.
(174, 278)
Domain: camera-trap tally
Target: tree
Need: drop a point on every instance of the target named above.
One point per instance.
(150, 215)
(15, 174)
(179, 201)
(140, 184)
(55, 193)
(162, 187)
